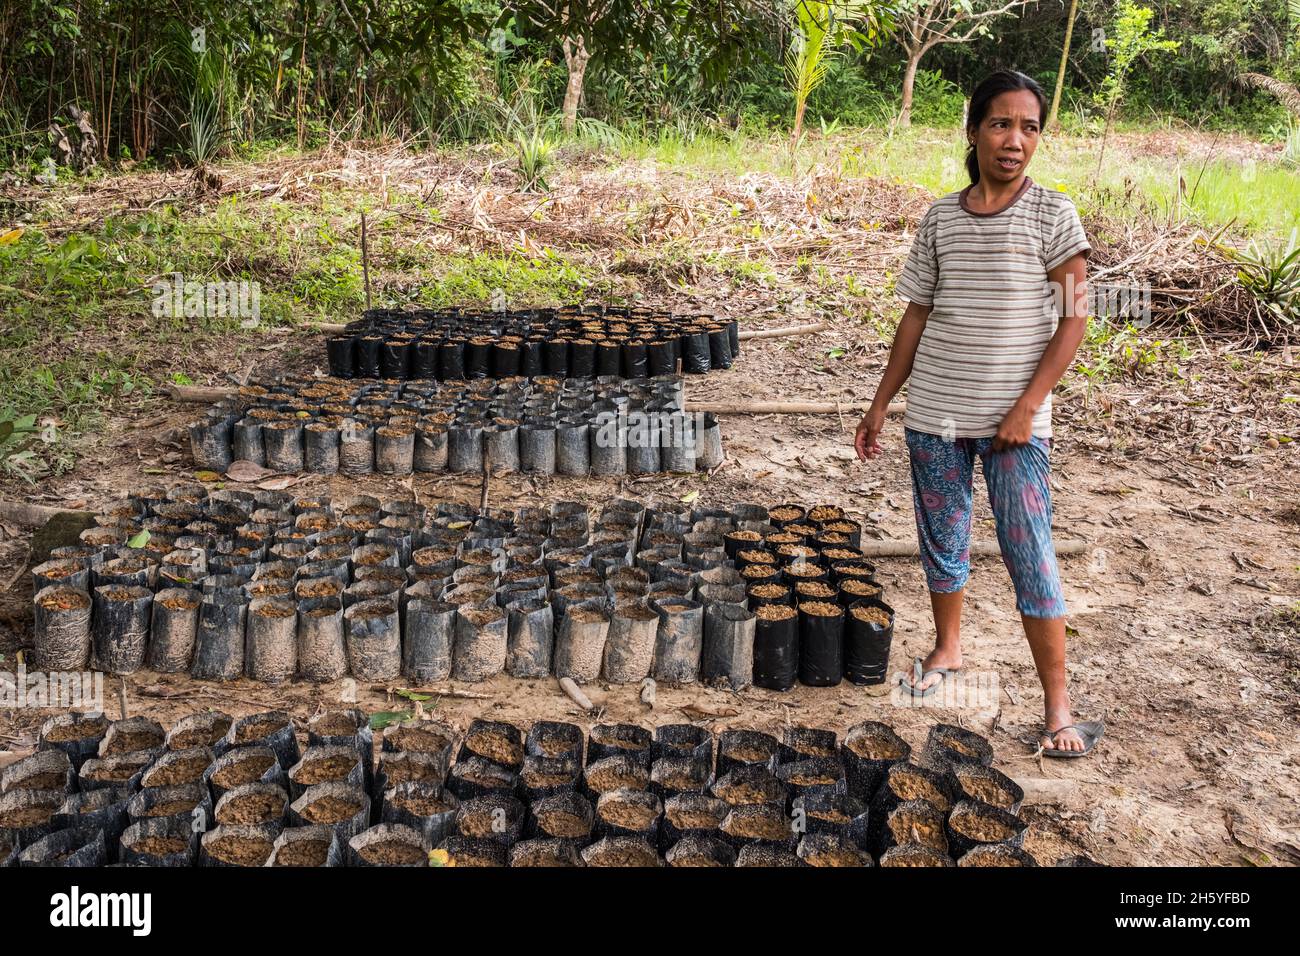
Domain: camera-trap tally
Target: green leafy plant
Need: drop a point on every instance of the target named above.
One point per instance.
(533, 157)
(1271, 273)
(821, 29)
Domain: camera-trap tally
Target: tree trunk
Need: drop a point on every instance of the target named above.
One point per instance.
(575, 58)
(909, 83)
(1060, 72)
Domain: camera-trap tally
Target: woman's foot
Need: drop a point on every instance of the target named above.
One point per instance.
(937, 658)
(1067, 739)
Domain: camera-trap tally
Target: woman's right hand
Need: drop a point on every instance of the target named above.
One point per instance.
(865, 440)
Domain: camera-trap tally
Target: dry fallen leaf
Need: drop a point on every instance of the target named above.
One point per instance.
(243, 470)
(280, 483)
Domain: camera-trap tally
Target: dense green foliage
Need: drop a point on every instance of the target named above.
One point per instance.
(191, 79)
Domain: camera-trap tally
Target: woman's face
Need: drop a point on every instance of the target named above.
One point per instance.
(1007, 136)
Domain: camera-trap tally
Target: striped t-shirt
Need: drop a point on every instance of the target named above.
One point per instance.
(993, 311)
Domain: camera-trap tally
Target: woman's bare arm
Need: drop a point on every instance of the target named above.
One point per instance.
(901, 355)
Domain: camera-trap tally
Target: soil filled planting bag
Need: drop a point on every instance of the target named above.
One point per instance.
(622, 851)
(868, 751)
(271, 643)
(219, 639)
(327, 763)
(498, 817)
(63, 630)
(306, 846)
(428, 640)
(821, 643)
(238, 844)
(169, 841)
(343, 807)
(244, 764)
(43, 770)
(869, 632)
(374, 640)
(776, 646)
(530, 638)
(173, 630)
(273, 729)
(679, 640)
(831, 850)
(68, 848)
(388, 844)
(972, 781)
(550, 738)
(580, 642)
(549, 853)
(481, 643)
(728, 654)
(422, 805)
(947, 744)
(322, 651)
(77, 735)
(120, 628)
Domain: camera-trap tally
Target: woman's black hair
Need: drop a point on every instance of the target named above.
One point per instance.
(1003, 81)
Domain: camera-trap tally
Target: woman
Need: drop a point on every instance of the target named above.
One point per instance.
(996, 310)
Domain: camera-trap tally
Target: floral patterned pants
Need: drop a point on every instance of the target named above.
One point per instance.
(1021, 497)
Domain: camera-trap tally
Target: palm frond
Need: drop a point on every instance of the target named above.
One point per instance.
(1285, 92)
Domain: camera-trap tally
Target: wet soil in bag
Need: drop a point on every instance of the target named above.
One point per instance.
(476, 777)
(429, 636)
(272, 728)
(67, 848)
(700, 850)
(176, 768)
(219, 640)
(199, 730)
(132, 735)
(306, 847)
(580, 642)
(494, 740)
(190, 803)
(546, 776)
(252, 804)
(564, 816)
(43, 770)
(869, 750)
(498, 817)
(815, 773)
(243, 765)
(821, 643)
(389, 844)
(776, 646)
(670, 776)
(551, 738)
(947, 744)
(833, 811)
(322, 650)
(682, 740)
(326, 763)
(120, 627)
(972, 781)
(996, 854)
(422, 805)
(915, 855)
(343, 807)
(75, 734)
(910, 822)
(173, 630)
(973, 823)
(625, 812)
(907, 781)
(765, 823)
(627, 740)
(746, 748)
(750, 784)
(830, 850)
(428, 737)
(374, 640)
(768, 856)
(728, 656)
(463, 851)
(481, 642)
(549, 853)
(167, 841)
(804, 743)
(869, 632)
(621, 851)
(28, 815)
(63, 632)
(238, 845)
(121, 770)
(530, 637)
(612, 773)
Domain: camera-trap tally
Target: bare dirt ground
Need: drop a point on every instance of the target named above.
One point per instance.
(1183, 629)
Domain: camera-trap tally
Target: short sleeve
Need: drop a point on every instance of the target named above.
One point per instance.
(921, 272)
(1068, 238)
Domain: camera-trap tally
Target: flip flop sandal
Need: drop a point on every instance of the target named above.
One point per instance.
(1090, 730)
(919, 676)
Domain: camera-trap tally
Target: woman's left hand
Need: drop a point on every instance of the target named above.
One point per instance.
(1016, 429)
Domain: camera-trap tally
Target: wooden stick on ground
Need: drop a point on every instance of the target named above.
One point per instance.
(365, 259)
(897, 548)
(30, 516)
(201, 394)
(786, 332)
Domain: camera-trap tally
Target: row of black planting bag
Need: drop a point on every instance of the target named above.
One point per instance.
(545, 426)
(578, 341)
(273, 587)
(219, 791)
